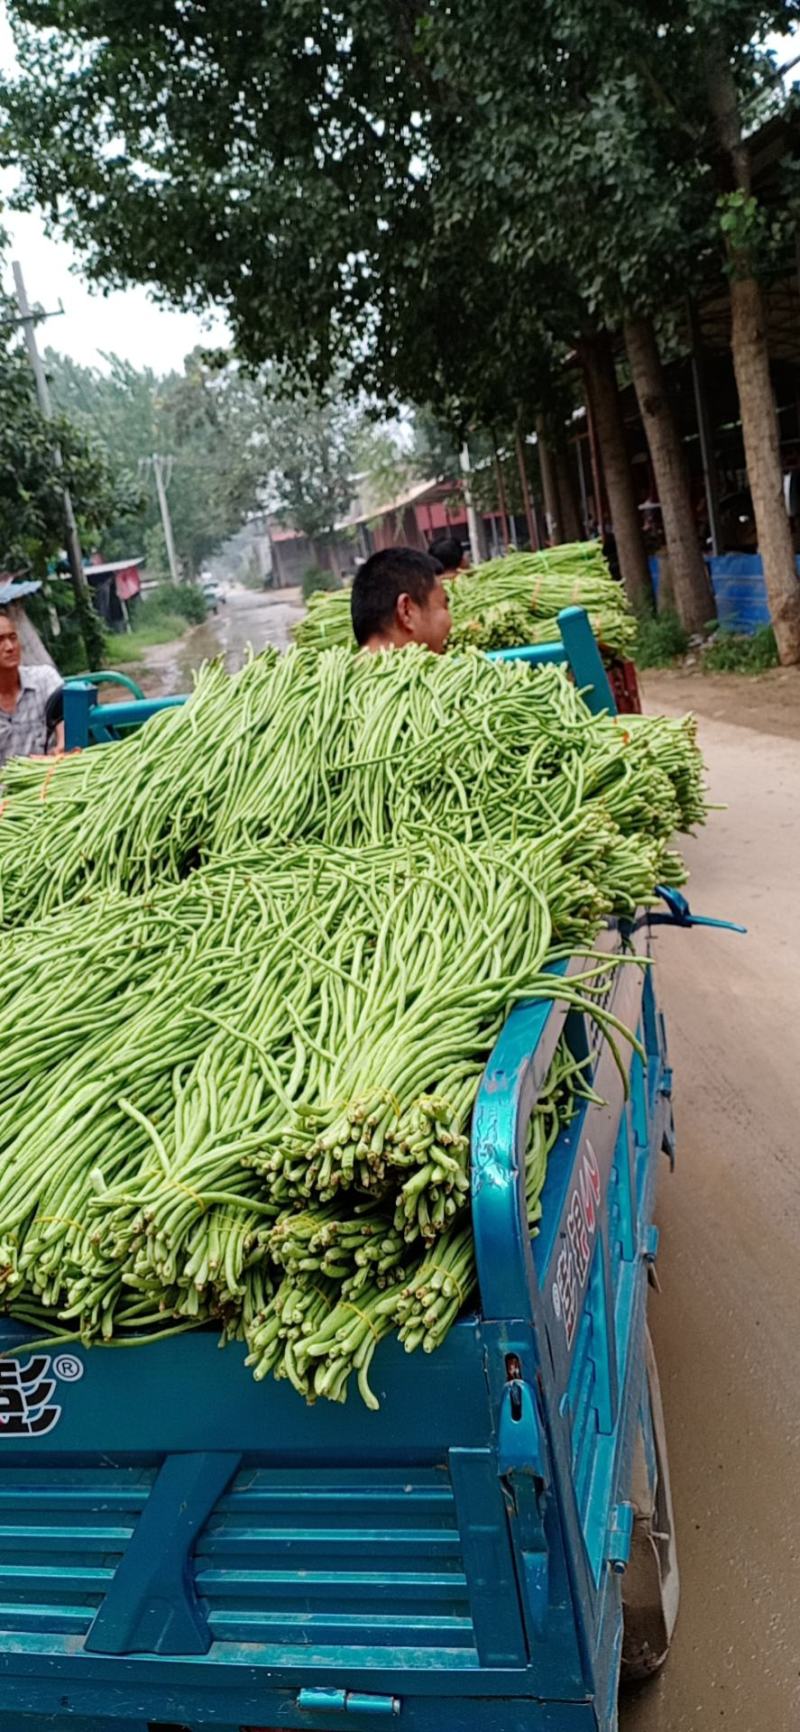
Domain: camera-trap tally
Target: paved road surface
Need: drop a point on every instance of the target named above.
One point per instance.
(727, 1324)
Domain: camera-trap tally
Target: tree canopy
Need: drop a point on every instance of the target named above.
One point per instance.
(239, 442)
(202, 417)
(302, 164)
(31, 479)
(439, 195)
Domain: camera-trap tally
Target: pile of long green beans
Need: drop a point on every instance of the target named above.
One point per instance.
(336, 749)
(254, 960)
(505, 602)
(516, 600)
(263, 1122)
(326, 623)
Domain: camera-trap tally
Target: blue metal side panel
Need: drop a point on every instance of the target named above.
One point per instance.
(589, 1286)
(88, 723)
(106, 717)
(589, 1259)
(177, 1394)
(88, 1710)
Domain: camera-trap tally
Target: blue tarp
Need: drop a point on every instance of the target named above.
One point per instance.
(739, 590)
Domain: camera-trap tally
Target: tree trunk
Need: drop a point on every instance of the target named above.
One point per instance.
(666, 592)
(570, 515)
(764, 468)
(753, 380)
(694, 597)
(552, 513)
(601, 381)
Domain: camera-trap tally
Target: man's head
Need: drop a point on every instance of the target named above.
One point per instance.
(398, 598)
(450, 554)
(10, 648)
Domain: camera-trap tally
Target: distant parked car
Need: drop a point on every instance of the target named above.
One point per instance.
(213, 593)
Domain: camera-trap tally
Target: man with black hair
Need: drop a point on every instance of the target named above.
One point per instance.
(450, 554)
(398, 598)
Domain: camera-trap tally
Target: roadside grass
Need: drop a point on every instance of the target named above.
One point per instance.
(129, 648)
(661, 642)
(729, 653)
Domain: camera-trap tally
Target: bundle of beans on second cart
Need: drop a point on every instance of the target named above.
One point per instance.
(249, 996)
(504, 602)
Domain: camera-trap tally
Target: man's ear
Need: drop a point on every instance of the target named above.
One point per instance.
(404, 607)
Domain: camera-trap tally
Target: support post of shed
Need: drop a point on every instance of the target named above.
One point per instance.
(710, 480)
(530, 514)
(600, 503)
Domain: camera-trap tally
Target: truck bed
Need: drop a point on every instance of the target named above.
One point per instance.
(180, 1545)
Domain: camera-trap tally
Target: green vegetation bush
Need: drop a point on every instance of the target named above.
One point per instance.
(314, 579)
(55, 605)
(183, 599)
(660, 639)
(730, 653)
(130, 647)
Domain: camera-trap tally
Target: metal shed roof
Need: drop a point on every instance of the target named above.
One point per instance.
(16, 591)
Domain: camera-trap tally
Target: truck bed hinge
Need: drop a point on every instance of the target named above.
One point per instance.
(321, 1701)
(620, 1534)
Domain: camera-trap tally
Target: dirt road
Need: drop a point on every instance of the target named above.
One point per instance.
(246, 619)
(727, 1324)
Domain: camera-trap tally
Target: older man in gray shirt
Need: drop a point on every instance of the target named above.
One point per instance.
(24, 695)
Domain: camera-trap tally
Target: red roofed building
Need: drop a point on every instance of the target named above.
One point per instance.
(425, 510)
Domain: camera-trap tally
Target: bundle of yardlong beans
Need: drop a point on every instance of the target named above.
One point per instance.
(265, 1124)
(505, 602)
(327, 623)
(336, 749)
(516, 600)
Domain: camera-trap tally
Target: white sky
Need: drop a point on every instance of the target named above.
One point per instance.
(125, 322)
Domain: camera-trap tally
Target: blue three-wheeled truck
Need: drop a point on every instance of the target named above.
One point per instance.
(181, 1547)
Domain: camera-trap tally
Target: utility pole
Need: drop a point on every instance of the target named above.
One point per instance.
(502, 502)
(71, 537)
(159, 465)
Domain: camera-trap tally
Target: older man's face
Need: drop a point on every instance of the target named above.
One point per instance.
(10, 650)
